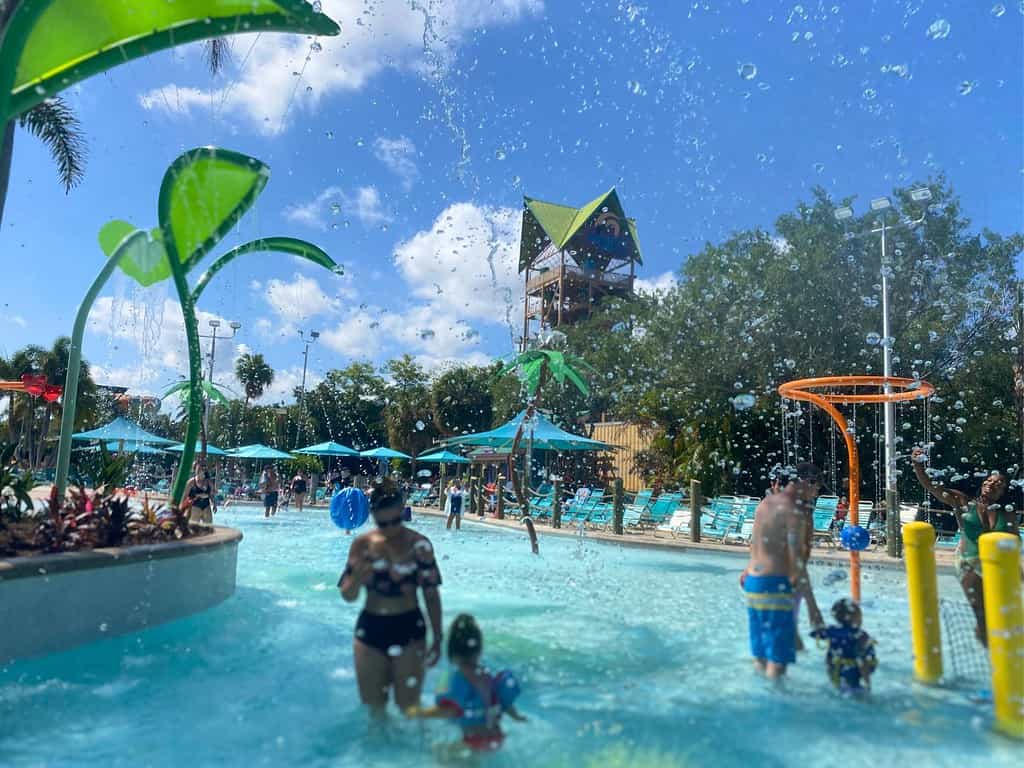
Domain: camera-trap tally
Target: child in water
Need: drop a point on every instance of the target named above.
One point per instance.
(470, 694)
(851, 651)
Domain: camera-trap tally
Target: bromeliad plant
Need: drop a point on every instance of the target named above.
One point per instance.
(203, 194)
(535, 367)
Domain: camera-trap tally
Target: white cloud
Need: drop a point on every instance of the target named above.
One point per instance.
(389, 34)
(364, 204)
(286, 381)
(299, 299)
(398, 157)
(657, 284)
(466, 263)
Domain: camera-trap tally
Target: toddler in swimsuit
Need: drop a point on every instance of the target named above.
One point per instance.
(470, 694)
(851, 651)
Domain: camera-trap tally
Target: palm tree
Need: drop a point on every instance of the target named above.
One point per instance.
(535, 367)
(254, 374)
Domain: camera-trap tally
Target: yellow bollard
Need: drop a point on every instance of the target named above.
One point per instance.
(923, 592)
(1004, 617)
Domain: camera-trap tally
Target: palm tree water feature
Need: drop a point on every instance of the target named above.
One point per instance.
(534, 368)
(203, 194)
(829, 391)
(49, 45)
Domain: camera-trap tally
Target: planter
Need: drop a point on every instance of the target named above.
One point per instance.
(50, 603)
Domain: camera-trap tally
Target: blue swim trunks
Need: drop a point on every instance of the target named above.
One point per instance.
(772, 622)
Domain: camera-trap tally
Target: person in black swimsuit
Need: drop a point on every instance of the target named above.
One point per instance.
(299, 486)
(393, 563)
(199, 492)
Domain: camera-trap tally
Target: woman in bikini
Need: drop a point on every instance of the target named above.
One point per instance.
(199, 492)
(393, 563)
(974, 517)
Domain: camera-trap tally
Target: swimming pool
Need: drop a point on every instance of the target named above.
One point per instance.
(629, 658)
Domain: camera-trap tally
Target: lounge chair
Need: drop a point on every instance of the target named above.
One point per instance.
(743, 535)
(678, 524)
(663, 508)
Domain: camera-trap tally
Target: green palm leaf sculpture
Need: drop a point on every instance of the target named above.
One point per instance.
(203, 194)
(49, 45)
(535, 367)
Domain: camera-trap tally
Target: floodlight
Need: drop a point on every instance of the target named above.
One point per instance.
(921, 194)
(214, 323)
(314, 334)
(235, 325)
(843, 213)
(880, 204)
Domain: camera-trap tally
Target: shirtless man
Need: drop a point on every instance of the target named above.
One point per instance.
(777, 572)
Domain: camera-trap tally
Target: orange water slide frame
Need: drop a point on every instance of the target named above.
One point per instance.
(892, 389)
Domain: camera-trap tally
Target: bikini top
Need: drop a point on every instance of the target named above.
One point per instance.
(198, 490)
(391, 579)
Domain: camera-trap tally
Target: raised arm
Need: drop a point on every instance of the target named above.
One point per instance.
(955, 499)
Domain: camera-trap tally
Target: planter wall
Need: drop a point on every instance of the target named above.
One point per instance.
(51, 603)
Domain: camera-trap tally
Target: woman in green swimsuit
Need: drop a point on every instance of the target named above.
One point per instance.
(975, 517)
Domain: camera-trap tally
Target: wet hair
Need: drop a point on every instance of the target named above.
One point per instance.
(808, 472)
(843, 610)
(385, 494)
(465, 640)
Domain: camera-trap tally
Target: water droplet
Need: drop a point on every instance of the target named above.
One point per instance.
(790, 363)
(958, 405)
(873, 338)
(819, 167)
(103, 627)
(412, 681)
(420, 426)
(309, 89)
(939, 29)
(335, 208)
(965, 87)
(998, 10)
(329, 134)
(743, 402)
(499, 154)
(869, 94)
(317, 6)
(394, 651)
(747, 71)
(427, 334)
(316, 47)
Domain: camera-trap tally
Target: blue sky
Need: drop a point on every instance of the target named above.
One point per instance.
(405, 153)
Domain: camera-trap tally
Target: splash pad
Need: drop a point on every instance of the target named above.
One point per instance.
(827, 392)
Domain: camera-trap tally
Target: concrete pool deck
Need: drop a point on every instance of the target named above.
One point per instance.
(646, 539)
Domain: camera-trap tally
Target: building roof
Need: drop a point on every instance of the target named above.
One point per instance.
(595, 234)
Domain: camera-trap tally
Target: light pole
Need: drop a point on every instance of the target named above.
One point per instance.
(880, 205)
(313, 336)
(214, 324)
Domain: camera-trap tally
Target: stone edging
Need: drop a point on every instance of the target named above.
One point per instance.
(65, 562)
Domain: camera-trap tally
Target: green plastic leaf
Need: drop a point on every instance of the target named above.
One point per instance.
(144, 258)
(52, 44)
(290, 245)
(204, 192)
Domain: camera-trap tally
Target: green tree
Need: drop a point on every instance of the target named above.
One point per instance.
(348, 407)
(461, 400)
(407, 415)
(254, 374)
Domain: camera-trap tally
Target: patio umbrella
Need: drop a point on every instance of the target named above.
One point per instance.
(125, 447)
(444, 457)
(384, 453)
(330, 448)
(211, 449)
(257, 451)
(546, 437)
(122, 430)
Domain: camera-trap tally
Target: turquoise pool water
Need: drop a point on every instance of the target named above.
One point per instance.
(629, 658)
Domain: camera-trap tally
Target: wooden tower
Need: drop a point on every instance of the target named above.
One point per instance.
(572, 258)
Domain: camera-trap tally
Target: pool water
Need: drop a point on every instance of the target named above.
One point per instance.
(628, 658)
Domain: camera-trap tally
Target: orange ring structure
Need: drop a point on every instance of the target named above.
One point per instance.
(894, 389)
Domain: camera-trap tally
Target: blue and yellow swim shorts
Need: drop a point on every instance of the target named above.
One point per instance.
(772, 622)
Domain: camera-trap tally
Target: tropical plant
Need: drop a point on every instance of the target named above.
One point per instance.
(254, 374)
(310, 464)
(14, 487)
(210, 393)
(545, 361)
(49, 45)
(461, 401)
(203, 194)
(407, 414)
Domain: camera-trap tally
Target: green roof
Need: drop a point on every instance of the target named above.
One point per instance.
(593, 233)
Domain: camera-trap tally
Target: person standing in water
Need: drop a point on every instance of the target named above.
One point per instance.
(270, 487)
(200, 492)
(973, 517)
(393, 563)
(299, 486)
(777, 572)
(455, 508)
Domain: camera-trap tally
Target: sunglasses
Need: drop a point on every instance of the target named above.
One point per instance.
(395, 521)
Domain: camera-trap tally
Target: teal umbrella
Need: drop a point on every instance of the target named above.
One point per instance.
(545, 435)
(330, 448)
(257, 451)
(211, 449)
(126, 447)
(444, 457)
(383, 453)
(120, 429)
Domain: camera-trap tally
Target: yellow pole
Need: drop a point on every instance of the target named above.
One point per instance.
(923, 592)
(1004, 617)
